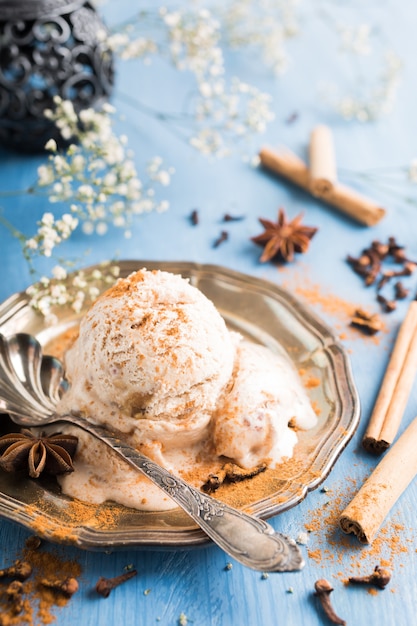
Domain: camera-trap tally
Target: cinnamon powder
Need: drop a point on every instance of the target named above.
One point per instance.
(40, 602)
(64, 527)
(339, 309)
(330, 546)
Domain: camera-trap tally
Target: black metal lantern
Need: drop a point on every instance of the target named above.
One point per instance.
(48, 48)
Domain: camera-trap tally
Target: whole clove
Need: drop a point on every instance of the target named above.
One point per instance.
(400, 291)
(224, 236)
(380, 578)
(67, 586)
(387, 305)
(323, 590)
(370, 266)
(232, 218)
(105, 585)
(20, 570)
(194, 217)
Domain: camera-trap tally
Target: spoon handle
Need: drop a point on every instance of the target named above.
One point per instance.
(247, 539)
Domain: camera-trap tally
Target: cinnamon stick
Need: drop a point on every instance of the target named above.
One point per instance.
(322, 161)
(347, 200)
(395, 388)
(368, 509)
(287, 165)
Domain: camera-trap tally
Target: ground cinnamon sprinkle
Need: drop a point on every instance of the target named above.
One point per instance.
(60, 344)
(40, 602)
(330, 545)
(329, 303)
(64, 526)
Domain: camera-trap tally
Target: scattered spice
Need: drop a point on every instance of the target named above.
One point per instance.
(302, 539)
(14, 594)
(129, 567)
(380, 578)
(369, 323)
(323, 590)
(232, 218)
(28, 601)
(51, 454)
(401, 293)
(105, 585)
(387, 305)
(194, 217)
(182, 620)
(264, 576)
(68, 586)
(33, 542)
(292, 118)
(282, 239)
(21, 570)
(370, 266)
(224, 236)
(230, 473)
(228, 566)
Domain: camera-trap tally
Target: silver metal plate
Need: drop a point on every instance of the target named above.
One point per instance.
(262, 312)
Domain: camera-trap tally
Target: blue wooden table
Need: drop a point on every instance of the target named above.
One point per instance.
(197, 584)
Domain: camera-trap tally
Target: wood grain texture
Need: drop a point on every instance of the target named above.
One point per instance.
(195, 582)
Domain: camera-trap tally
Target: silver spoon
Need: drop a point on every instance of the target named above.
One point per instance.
(30, 387)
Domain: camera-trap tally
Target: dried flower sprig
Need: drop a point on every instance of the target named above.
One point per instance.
(265, 26)
(74, 291)
(96, 173)
(220, 110)
(372, 94)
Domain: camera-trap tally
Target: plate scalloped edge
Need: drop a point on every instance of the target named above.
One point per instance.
(17, 316)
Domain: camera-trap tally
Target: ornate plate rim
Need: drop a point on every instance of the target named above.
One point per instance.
(13, 309)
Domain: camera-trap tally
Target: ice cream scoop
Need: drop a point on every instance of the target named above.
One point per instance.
(253, 424)
(153, 358)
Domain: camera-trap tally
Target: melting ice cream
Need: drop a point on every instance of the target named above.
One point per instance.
(155, 360)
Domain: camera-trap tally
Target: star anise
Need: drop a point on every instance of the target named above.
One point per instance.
(283, 238)
(37, 453)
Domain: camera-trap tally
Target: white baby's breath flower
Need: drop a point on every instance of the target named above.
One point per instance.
(59, 272)
(51, 145)
(45, 175)
(31, 244)
(101, 228)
